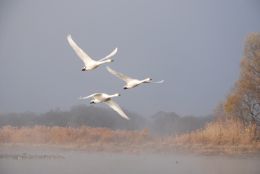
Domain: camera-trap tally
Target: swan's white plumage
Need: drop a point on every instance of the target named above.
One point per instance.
(83, 98)
(107, 99)
(89, 63)
(130, 82)
(116, 108)
(81, 54)
(110, 55)
(119, 75)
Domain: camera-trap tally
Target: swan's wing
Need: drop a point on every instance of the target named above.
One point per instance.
(119, 75)
(92, 95)
(161, 81)
(110, 55)
(82, 55)
(116, 108)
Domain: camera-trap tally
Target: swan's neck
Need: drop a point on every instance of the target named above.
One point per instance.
(106, 61)
(147, 80)
(115, 95)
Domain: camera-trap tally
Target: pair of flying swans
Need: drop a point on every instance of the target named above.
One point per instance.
(90, 64)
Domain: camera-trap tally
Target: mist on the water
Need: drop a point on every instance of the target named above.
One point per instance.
(44, 161)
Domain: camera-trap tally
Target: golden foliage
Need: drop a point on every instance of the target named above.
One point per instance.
(244, 101)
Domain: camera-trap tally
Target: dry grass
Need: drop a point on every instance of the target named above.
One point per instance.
(80, 138)
(227, 137)
(229, 132)
(68, 135)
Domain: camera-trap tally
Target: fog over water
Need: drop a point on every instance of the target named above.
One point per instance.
(79, 162)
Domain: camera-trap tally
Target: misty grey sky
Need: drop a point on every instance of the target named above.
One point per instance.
(195, 46)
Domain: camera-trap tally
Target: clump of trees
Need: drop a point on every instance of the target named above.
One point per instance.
(162, 123)
(237, 120)
(77, 116)
(243, 103)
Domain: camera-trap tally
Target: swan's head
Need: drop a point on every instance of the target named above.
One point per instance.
(108, 61)
(83, 69)
(125, 87)
(92, 102)
(114, 95)
(147, 80)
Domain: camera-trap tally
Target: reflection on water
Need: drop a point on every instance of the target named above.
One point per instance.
(116, 163)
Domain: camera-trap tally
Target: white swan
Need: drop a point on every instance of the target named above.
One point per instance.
(130, 82)
(90, 64)
(105, 98)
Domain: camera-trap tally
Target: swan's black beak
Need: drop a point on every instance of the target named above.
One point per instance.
(92, 102)
(125, 88)
(83, 69)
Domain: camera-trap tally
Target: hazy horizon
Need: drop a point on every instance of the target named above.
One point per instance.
(195, 46)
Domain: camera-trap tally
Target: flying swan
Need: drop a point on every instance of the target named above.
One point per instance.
(107, 99)
(130, 82)
(89, 63)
